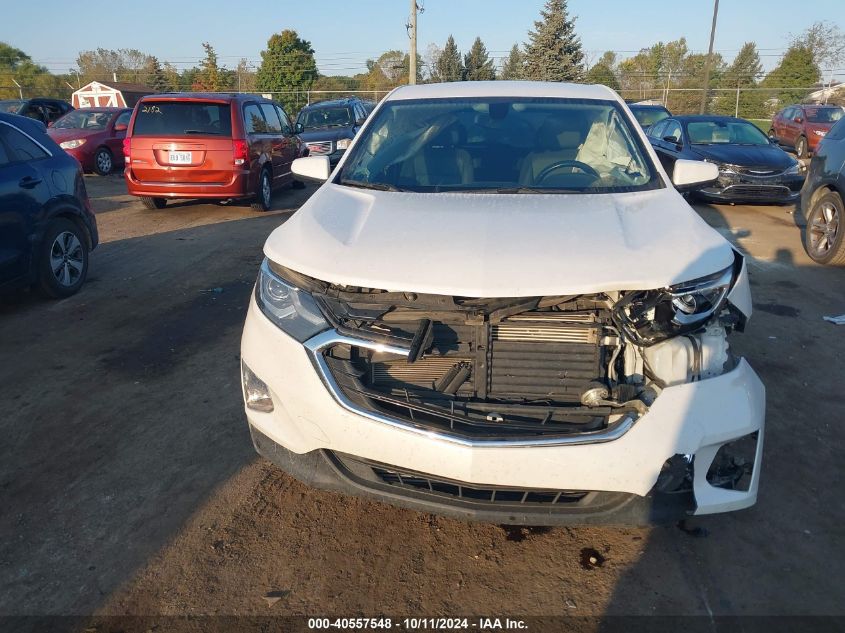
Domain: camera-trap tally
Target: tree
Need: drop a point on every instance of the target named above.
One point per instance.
(603, 74)
(513, 66)
(287, 65)
(826, 42)
(743, 75)
(432, 54)
(796, 74)
(553, 52)
(173, 80)
(245, 76)
(449, 66)
(478, 65)
(208, 78)
(103, 64)
(157, 79)
(35, 80)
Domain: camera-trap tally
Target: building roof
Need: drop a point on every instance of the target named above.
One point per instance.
(122, 86)
(503, 89)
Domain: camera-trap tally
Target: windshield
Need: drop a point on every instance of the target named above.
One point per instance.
(504, 145)
(325, 117)
(823, 115)
(11, 107)
(177, 118)
(649, 116)
(725, 133)
(82, 120)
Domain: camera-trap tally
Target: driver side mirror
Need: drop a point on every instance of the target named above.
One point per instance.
(313, 168)
(691, 174)
(299, 128)
(359, 122)
(798, 119)
(120, 127)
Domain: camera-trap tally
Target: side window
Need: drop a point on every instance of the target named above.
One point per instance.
(837, 132)
(21, 146)
(287, 128)
(123, 118)
(35, 111)
(254, 120)
(789, 114)
(52, 110)
(274, 126)
(673, 128)
(656, 130)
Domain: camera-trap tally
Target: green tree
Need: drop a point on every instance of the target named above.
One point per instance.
(287, 65)
(553, 52)
(208, 78)
(795, 76)
(604, 72)
(449, 66)
(157, 79)
(478, 65)
(34, 79)
(743, 75)
(514, 65)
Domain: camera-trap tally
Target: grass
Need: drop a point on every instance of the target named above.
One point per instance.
(764, 124)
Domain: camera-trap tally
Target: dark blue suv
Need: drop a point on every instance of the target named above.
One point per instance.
(47, 227)
(328, 127)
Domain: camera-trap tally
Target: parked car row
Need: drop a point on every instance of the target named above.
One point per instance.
(48, 111)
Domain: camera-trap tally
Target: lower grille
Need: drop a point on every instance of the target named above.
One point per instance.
(319, 148)
(758, 191)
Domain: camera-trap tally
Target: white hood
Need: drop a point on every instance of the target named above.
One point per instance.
(494, 245)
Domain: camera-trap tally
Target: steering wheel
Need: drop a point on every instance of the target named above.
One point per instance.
(576, 164)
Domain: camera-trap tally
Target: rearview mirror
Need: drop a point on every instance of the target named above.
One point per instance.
(691, 174)
(120, 127)
(313, 168)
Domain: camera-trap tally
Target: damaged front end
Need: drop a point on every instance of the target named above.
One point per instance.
(510, 371)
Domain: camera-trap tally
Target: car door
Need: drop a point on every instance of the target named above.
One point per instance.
(791, 126)
(661, 146)
(255, 129)
(278, 144)
(115, 137)
(23, 192)
(293, 144)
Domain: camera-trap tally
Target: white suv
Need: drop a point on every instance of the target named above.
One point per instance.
(498, 307)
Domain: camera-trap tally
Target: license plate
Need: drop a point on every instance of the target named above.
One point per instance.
(179, 158)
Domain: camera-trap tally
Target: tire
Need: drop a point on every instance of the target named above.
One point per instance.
(825, 233)
(62, 259)
(297, 184)
(154, 203)
(103, 162)
(264, 195)
(801, 147)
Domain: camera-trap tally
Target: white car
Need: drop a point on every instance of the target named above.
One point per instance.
(498, 307)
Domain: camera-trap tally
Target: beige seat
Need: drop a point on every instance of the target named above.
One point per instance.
(442, 162)
(557, 140)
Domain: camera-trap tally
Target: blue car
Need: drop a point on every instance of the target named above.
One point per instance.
(47, 226)
(752, 168)
(822, 200)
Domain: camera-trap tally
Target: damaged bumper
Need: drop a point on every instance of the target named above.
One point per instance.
(316, 436)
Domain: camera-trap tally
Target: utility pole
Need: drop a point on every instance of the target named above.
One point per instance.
(412, 55)
(706, 88)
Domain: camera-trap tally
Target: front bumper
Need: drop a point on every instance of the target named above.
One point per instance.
(693, 419)
(784, 191)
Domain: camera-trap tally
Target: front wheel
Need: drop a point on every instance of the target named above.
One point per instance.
(63, 259)
(153, 203)
(264, 195)
(801, 147)
(103, 162)
(824, 235)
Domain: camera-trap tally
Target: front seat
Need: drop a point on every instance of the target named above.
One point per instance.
(556, 140)
(443, 162)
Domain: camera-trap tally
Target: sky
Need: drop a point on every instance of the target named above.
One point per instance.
(345, 33)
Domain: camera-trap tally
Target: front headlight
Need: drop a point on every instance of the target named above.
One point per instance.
(344, 143)
(796, 170)
(650, 316)
(820, 132)
(77, 142)
(293, 310)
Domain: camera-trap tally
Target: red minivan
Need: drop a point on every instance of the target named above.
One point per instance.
(211, 146)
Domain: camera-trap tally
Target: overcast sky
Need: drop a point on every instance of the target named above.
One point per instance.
(344, 33)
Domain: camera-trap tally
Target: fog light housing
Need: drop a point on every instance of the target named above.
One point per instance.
(734, 463)
(256, 393)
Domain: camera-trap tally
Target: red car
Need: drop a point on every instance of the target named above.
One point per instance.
(93, 136)
(802, 126)
(210, 146)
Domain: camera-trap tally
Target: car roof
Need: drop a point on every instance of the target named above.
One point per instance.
(102, 109)
(30, 126)
(328, 103)
(703, 118)
(503, 89)
(647, 106)
(204, 96)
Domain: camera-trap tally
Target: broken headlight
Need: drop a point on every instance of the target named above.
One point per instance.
(651, 316)
(293, 310)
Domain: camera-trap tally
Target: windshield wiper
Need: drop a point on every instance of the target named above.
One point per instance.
(378, 186)
(202, 132)
(510, 190)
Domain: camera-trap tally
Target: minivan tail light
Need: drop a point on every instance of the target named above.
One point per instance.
(240, 149)
(126, 150)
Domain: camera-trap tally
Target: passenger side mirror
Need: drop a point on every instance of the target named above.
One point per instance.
(359, 122)
(120, 127)
(798, 119)
(299, 128)
(671, 139)
(691, 174)
(313, 168)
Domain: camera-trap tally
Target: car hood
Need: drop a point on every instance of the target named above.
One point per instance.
(488, 245)
(326, 134)
(746, 155)
(67, 134)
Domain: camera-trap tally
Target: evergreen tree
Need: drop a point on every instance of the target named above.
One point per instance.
(157, 79)
(449, 66)
(287, 65)
(553, 52)
(478, 65)
(603, 74)
(796, 74)
(208, 78)
(742, 74)
(513, 66)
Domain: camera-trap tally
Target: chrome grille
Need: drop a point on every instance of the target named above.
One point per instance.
(320, 148)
